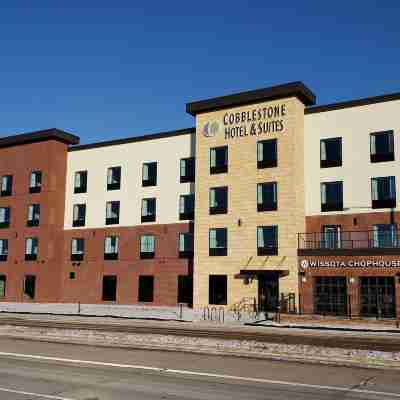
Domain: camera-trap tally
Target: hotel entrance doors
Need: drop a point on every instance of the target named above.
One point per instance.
(268, 291)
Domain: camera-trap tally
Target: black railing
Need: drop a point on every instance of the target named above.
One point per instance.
(389, 239)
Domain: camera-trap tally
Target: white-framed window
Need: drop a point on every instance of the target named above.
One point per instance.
(31, 246)
(6, 185)
(80, 182)
(147, 244)
(112, 212)
(385, 236)
(35, 182)
(114, 178)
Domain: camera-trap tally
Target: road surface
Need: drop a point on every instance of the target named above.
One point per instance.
(48, 371)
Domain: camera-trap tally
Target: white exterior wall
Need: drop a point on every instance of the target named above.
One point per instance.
(130, 156)
(354, 125)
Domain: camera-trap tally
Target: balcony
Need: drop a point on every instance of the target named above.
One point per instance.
(349, 243)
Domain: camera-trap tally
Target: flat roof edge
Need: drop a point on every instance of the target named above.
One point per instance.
(141, 138)
(39, 136)
(353, 103)
(292, 89)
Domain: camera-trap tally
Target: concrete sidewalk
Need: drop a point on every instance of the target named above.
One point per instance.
(99, 312)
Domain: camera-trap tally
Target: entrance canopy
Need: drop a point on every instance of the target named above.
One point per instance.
(254, 273)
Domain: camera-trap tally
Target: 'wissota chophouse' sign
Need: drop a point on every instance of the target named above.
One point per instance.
(363, 263)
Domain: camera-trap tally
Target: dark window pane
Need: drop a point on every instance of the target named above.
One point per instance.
(218, 200)
(218, 289)
(267, 153)
(149, 174)
(331, 196)
(146, 289)
(331, 152)
(219, 160)
(185, 289)
(30, 286)
(187, 170)
(109, 288)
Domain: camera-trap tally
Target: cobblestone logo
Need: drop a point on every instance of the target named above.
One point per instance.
(210, 129)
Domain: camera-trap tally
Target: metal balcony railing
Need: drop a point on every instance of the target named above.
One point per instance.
(349, 240)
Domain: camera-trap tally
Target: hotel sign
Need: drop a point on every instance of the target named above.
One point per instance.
(255, 122)
(356, 263)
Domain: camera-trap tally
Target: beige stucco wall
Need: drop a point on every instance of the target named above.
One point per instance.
(242, 179)
(130, 156)
(354, 126)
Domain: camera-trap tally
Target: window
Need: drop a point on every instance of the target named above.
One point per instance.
(186, 206)
(5, 215)
(218, 200)
(149, 174)
(185, 289)
(111, 248)
(33, 215)
(332, 196)
(149, 210)
(109, 288)
(267, 153)
(31, 248)
(267, 240)
(3, 249)
(383, 192)
(219, 160)
(114, 178)
(377, 296)
(331, 152)
(146, 289)
(218, 242)
(35, 183)
(112, 212)
(385, 235)
(80, 182)
(218, 289)
(330, 295)
(3, 286)
(267, 198)
(77, 249)
(187, 168)
(29, 286)
(79, 215)
(186, 245)
(147, 246)
(331, 238)
(382, 146)
(6, 185)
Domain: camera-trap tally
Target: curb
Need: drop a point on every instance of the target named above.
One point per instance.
(324, 328)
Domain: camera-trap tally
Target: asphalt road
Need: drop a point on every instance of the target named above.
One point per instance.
(39, 371)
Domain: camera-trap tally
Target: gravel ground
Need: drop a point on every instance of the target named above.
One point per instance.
(244, 348)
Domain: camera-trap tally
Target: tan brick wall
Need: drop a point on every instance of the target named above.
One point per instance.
(242, 179)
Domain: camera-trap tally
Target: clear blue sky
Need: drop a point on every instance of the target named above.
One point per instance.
(110, 69)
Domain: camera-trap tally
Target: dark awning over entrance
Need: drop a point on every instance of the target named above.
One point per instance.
(253, 273)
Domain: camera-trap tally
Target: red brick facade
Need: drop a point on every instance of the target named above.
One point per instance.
(166, 265)
(351, 222)
(50, 157)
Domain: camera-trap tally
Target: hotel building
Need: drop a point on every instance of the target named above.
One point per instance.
(269, 199)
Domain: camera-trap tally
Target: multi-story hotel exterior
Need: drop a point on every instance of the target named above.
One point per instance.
(268, 198)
